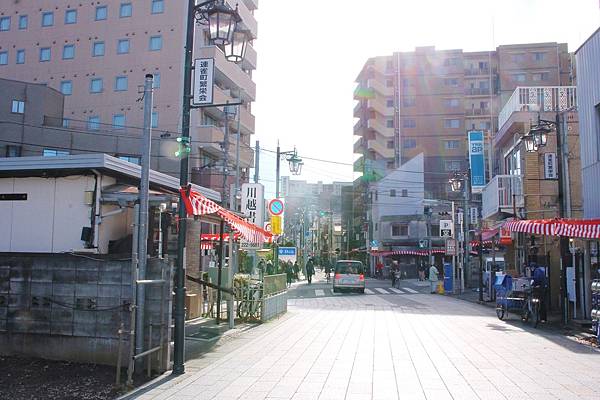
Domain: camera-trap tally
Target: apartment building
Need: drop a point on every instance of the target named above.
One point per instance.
(425, 101)
(97, 55)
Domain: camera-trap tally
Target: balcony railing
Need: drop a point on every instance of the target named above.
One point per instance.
(540, 98)
(500, 194)
(477, 92)
(477, 71)
(477, 111)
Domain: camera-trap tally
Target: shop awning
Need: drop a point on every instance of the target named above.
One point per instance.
(576, 228)
(196, 204)
(216, 237)
(385, 253)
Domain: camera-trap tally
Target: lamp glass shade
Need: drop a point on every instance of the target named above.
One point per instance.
(456, 184)
(235, 50)
(222, 23)
(530, 145)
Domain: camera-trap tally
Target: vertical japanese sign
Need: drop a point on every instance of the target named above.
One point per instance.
(253, 200)
(550, 166)
(476, 160)
(203, 81)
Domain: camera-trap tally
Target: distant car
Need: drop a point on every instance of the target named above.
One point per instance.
(349, 274)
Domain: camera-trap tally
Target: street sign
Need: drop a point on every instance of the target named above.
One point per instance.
(287, 254)
(203, 81)
(253, 202)
(450, 247)
(267, 227)
(473, 214)
(276, 228)
(460, 217)
(276, 207)
(550, 166)
(446, 228)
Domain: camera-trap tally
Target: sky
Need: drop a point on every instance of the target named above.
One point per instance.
(310, 52)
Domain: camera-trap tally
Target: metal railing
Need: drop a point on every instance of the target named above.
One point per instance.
(502, 193)
(477, 91)
(538, 98)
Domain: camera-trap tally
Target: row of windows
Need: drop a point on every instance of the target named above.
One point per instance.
(68, 51)
(58, 153)
(93, 123)
(412, 143)
(100, 14)
(97, 84)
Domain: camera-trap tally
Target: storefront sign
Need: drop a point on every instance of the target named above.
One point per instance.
(476, 160)
(253, 199)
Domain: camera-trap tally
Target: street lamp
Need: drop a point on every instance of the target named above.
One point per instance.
(295, 163)
(235, 50)
(460, 182)
(222, 23)
(530, 144)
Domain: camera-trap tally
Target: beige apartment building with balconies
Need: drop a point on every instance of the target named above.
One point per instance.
(425, 101)
(97, 54)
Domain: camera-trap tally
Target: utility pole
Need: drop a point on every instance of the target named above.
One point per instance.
(143, 218)
(277, 179)
(257, 163)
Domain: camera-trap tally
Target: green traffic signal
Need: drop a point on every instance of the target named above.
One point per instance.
(184, 147)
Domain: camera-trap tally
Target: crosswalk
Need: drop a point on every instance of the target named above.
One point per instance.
(377, 291)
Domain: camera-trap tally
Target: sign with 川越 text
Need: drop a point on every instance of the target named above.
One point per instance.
(252, 206)
(203, 81)
(476, 160)
(550, 166)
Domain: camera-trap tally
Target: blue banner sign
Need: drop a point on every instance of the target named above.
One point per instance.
(477, 160)
(287, 251)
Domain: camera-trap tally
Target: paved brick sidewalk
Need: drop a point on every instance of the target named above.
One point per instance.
(389, 347)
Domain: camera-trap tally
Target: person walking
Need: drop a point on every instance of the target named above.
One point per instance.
(310, 270)
(289, 273)
(296, 270)
(269, 269)
(433, 277)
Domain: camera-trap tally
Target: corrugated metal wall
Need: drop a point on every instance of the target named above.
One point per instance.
(588, 97)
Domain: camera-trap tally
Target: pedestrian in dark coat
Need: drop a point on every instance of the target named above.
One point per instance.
(310, 271)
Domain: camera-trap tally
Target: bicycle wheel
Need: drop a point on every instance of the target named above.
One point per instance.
(243, 309)
(500, 311)
(525, 312)
(535, 314)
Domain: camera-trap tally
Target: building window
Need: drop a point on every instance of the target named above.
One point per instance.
(155, 43)
(101, 13)
(131, 159)
(125, 10)
(118, 121)
(4, 23)
(518, 58)
(68, 52)
(389, 82)
(13, 151)
(541, 76)
(156, 82)
(405, 82)
(3, 57)
(486, 126)
(18, 107)
(94, 123)
(70, 17)
(537, 56)
(399, 229)
(98, 49)
(389, 65)
(121, 83)
(452, 165)
(451, 103)
(519, 77)
(48, 18)
(452, 123)
(66, 122)
(23, 22)
(66, 88)
(409, 143)
(154, 119)
(389, 103)
(409, 101)
(404, 192)
(20, 57)
(453, 82)
(409, 123)
(96, 85)
(123, 46)
(452, 144)
(158, 6)
(389, 123)
(390, 144)
(54, 153)
(44, 54)
(392, 192)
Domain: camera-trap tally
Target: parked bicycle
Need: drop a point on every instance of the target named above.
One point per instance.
(249, 306)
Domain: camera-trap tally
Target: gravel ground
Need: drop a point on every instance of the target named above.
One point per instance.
(34, 378)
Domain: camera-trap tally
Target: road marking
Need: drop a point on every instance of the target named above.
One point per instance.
(369, 291)
(409, 290)
(319, 292)
(381, 290)
(393, 289)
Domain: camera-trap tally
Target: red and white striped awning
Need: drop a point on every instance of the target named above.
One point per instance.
(197, 204)
(576, 228)
(207, 245)
(385, 253)
(216, 236)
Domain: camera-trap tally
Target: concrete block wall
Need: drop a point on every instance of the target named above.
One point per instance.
(71, 307)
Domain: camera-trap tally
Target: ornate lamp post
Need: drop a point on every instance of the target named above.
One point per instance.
(222, 22)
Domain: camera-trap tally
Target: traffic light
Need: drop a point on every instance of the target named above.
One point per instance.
(184, 147)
